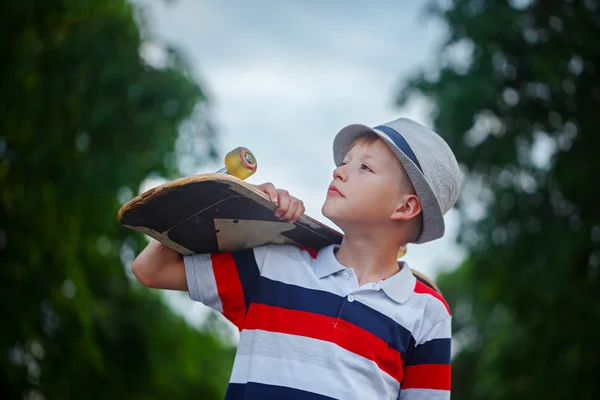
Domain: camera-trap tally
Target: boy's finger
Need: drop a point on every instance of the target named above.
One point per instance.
(291, 210)
(298, 213)
(270, 190)
(284, 202)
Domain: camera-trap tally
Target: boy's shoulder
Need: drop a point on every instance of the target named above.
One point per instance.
(292, 252)
(434, 305)
(284, 257)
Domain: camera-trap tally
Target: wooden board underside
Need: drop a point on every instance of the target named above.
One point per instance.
(217, 212)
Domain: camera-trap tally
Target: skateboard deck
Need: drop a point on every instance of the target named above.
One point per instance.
(212, 213)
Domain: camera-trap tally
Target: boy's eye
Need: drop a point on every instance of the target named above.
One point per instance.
(366, 168)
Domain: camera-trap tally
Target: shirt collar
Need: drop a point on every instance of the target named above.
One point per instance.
(401, 285)
(326, 264)
(398, 287)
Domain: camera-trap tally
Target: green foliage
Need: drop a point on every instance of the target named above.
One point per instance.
(527, 300)
(84, 121)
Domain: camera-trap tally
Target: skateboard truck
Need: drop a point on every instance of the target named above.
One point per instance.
(239, 162)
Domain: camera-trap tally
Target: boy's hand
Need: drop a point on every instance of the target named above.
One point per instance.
(290, 208)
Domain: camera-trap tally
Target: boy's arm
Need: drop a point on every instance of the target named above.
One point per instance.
(427, 373)
(159, 267)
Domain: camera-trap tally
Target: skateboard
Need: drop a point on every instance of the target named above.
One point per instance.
(213, 213)
(219, 212)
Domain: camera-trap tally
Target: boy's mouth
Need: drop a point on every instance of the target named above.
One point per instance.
(334, 191)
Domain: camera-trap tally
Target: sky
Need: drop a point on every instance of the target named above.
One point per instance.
(283, 77)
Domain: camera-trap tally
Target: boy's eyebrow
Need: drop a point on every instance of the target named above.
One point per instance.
(371, 157)
(365, 155)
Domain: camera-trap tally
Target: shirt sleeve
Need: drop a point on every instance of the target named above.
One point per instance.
(427, 372)
(226, 281)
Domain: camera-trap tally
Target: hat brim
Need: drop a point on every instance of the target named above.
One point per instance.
(432, 216)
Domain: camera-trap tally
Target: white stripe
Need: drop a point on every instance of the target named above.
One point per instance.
(289, 265)
(202, 285)
(424, 394)
(260, 254)
(432, 311)
(309, 364)
(435, 310)
(442, 330)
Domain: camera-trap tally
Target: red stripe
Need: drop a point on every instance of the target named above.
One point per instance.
(229, 287)
(342, 333)
(420, 287)
(313, 253)
(427, 376)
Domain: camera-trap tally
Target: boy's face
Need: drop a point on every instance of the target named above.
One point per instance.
(368, 187)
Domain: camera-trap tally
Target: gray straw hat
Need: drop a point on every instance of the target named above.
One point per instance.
(428, 161)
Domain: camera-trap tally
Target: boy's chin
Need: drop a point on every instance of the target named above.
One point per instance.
(329, 211)
(332, 214)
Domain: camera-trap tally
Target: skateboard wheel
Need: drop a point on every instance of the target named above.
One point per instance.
(240, 162)
(401, 251)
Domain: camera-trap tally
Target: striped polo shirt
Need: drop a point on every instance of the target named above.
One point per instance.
(309, 331)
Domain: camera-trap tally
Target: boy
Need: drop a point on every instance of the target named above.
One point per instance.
(348, 321)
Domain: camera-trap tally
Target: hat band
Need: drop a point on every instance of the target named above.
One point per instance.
(400, 142)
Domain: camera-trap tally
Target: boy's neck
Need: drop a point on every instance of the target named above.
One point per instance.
(371, 258)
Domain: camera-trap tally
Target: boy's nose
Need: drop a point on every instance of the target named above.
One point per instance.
(340, 173)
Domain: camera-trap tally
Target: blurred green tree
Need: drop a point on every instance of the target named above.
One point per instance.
(521, 116)
(84, 121)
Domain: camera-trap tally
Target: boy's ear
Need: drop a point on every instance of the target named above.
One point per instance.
(408, 208)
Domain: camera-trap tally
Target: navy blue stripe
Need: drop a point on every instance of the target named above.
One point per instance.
(399, 141)
(292, 297)
(260, 391)
(435, 351)
(247, 269)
